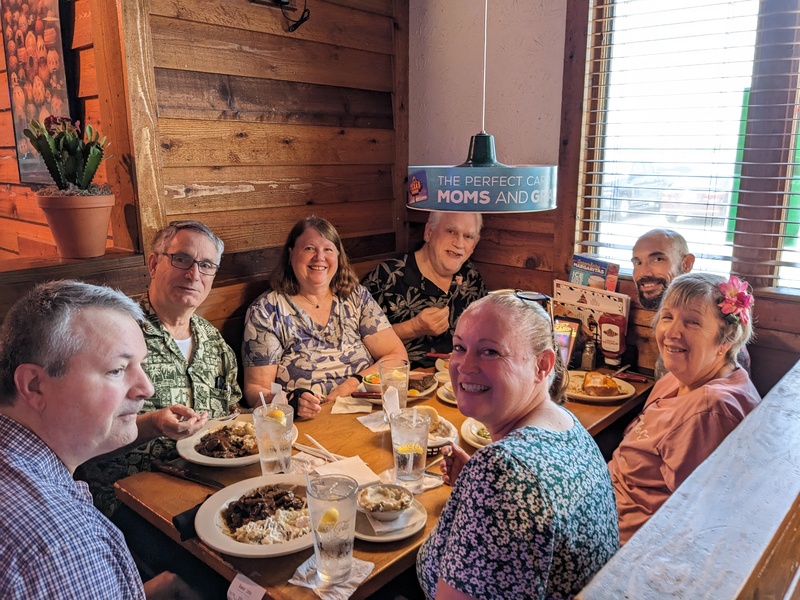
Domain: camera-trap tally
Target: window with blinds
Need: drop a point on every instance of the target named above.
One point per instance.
(690, 123)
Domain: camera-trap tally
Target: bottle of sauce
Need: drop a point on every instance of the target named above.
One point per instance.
(612, 337)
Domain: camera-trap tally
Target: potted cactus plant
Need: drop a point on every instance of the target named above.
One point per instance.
(77, 211)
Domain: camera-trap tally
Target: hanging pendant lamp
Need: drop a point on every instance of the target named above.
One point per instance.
(481, 184)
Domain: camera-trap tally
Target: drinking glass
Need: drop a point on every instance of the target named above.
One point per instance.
(409, 447)
(273, 425)
(332, 508)
(393, 373)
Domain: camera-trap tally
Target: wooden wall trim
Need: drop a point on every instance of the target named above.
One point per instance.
(112, 95)
(400, 104)
(142, 109)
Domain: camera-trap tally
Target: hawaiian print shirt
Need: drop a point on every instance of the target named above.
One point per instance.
(403, 292)
(279, 332)
(207, 383)
(530, 516)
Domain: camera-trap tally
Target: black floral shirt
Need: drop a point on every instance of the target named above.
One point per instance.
(403, 292)
(531, 516)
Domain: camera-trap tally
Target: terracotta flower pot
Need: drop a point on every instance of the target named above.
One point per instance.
(79, 224)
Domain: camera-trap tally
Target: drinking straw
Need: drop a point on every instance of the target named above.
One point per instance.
(264, 402)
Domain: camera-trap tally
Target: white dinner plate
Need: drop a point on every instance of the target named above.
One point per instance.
(185, 447)
(425, 393)
(575, 390)
(365, 532)
(210, 525)
(445, 397)
(440, 365)
(468, 429)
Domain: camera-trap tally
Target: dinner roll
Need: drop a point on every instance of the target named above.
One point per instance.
(429, 410)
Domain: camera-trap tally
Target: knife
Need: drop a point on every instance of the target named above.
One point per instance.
(186, 474)
(437, 355)
(633, 377)
(618, 371)
(374, 395)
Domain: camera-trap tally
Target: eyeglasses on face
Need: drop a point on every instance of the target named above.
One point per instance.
(184, 263)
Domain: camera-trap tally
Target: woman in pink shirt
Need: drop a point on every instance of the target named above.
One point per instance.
(702, 324)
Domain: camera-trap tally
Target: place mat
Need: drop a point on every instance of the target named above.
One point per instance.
(348, 404)
(306, 576)
(428, 481)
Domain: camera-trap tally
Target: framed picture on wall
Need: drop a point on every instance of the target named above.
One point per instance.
(36, 78)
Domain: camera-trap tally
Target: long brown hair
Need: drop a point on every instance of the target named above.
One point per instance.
(283, 278)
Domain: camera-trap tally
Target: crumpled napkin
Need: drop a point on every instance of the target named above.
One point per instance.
(348, 404)
(303, 462)
(408, 518)
(374, 422)
(428, 481)
(306, 576)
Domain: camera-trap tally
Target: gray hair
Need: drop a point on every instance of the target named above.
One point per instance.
(693, 289)
(436, 215)
(533, 324)
(165, 235)
(38, 328)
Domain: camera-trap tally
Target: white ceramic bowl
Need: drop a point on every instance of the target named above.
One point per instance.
(384, 501)
(442, 377)
(372, 387)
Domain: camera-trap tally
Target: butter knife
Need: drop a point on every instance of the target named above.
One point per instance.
(183, 473)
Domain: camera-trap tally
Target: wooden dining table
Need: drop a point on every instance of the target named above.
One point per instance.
(159, 497)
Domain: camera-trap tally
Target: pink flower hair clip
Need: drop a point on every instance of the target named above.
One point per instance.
(737, 302)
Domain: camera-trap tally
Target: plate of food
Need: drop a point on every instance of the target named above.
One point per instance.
(233, 522)
(364, 530)
(474, 433)
(421, 386)
(224, 443)
(443, 364)
(446, 394)
(440, 431)
(597, 388)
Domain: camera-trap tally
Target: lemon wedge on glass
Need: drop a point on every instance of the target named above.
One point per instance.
(412, 448)
(277, 415)
(329, 518)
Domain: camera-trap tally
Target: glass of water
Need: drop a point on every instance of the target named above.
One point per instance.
(409, 447)
(332, 508)
(393, 373)
(273, 425)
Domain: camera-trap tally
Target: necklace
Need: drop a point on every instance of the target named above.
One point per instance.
(314, 304)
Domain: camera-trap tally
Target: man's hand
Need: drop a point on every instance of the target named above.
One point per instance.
(176, 421)
(433, 321)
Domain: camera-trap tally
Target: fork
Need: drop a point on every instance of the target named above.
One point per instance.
(229, 417)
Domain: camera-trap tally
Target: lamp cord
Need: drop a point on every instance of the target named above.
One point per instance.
(485, 28)
(295, 24)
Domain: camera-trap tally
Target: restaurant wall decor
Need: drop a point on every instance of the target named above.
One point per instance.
(36, 76)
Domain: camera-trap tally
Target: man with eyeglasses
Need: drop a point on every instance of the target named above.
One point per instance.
(424, 292)
(192, 368)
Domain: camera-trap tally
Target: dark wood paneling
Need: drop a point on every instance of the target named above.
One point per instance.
(189, 46)
(212, 96)
(350, 27)
(256, 187)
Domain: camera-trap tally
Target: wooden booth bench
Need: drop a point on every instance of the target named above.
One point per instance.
(732, 530)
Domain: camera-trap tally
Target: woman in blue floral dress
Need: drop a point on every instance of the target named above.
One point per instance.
(532, 514)
(317, 331)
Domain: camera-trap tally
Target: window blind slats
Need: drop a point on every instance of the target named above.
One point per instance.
(690, 123)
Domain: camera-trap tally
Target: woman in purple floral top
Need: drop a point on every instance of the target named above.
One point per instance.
(532, 514)
(317, 329)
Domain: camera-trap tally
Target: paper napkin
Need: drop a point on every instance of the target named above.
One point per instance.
(303, 462)
(374, 422)
(391, 401)
(279, 396)
(306, 576)
(409, 517)
(354, 467)
(348, 404)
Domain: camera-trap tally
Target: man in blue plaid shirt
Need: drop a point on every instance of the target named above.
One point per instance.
(71, 385)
